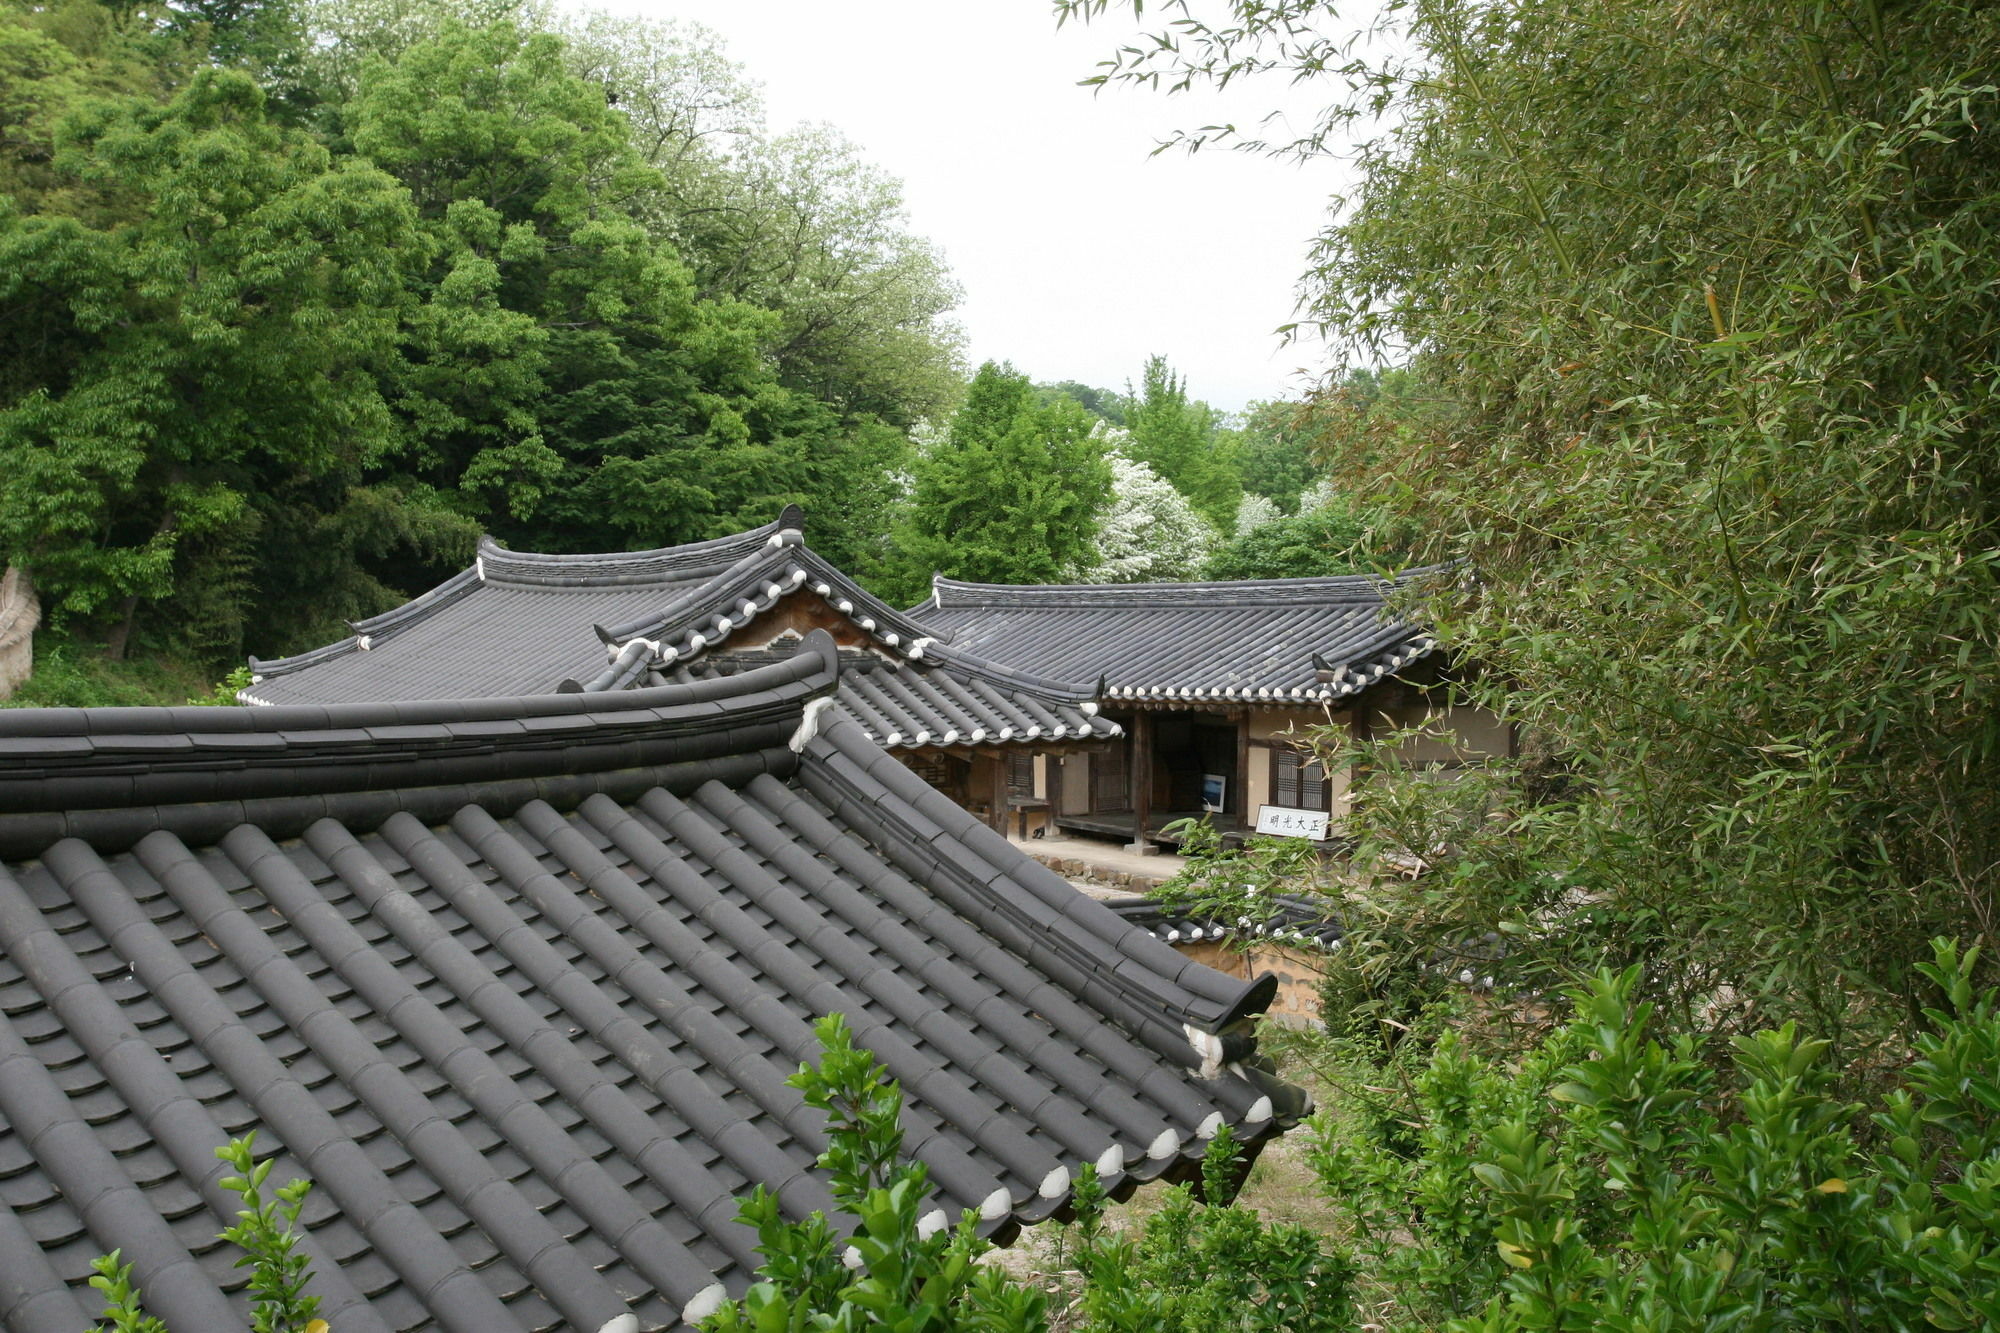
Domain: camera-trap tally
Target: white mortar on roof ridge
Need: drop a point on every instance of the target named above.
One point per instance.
(1166, 1145)
(624, 1323)
(917, 647)
(1206, 1045)
(1054, 1183)
(809, 723)
(479, 567)
(931, 1223)
(1112, 1160)
(1209, 1127)
(995, 1205)
(705, 1303)
(851, 1257)
(1259, 1112)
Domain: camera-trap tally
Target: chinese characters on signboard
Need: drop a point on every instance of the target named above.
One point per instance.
(1284, 822)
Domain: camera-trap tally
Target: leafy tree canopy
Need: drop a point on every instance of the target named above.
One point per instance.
(1011, 493)
(577, 297)
(1705, 315)
(1293, 546)
(1108, 404)
(208, 328)
(1178, 438)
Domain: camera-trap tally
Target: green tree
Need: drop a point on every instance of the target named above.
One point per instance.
(1108, 404)
(797, 223)
(1011, 494)
(56, 57)
(767, 333)
(562, 381)
(1706, 311)
(202, 330)
(1326, 540)
(1274, 453)
(1178, 438)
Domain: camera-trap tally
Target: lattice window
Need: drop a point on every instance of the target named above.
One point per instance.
(1021, 775)
(932, 768)
(1298, 780)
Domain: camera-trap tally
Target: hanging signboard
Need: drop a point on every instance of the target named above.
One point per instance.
(1282, 821)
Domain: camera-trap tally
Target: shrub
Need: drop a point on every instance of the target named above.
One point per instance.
(267, 1233)
(893, 1271)
(1613, 1180)
(1203, 1265)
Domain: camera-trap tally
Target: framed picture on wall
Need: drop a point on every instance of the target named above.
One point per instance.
(1214, 792)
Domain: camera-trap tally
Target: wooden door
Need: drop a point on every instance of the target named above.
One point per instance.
(1109, 785)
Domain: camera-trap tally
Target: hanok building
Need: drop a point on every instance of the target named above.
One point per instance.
(517, 982)
(1215, 685)
(519, 623)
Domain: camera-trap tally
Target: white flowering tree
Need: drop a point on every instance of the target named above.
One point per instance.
(1149, 533)
(1255, 511)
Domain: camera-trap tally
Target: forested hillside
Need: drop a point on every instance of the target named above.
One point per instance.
(299, 299)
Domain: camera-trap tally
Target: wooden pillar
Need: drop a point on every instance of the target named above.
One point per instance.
(1142, 780)
(996, 770)
(1242, 777)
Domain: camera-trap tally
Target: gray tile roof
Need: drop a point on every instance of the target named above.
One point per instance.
(519, 623)
(1261, 640)
(910, 705)
(1283, 919)
(515, 623)
(518, 982)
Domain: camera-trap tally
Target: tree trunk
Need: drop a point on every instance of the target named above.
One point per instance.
(121, 633)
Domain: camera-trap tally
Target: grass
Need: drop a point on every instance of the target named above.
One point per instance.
(74, 674)
(1281, 1188)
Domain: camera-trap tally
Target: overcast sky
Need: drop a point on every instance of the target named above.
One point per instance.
(1080, 254)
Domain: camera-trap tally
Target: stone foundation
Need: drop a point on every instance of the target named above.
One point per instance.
(1083, 872)
(1299, 972)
